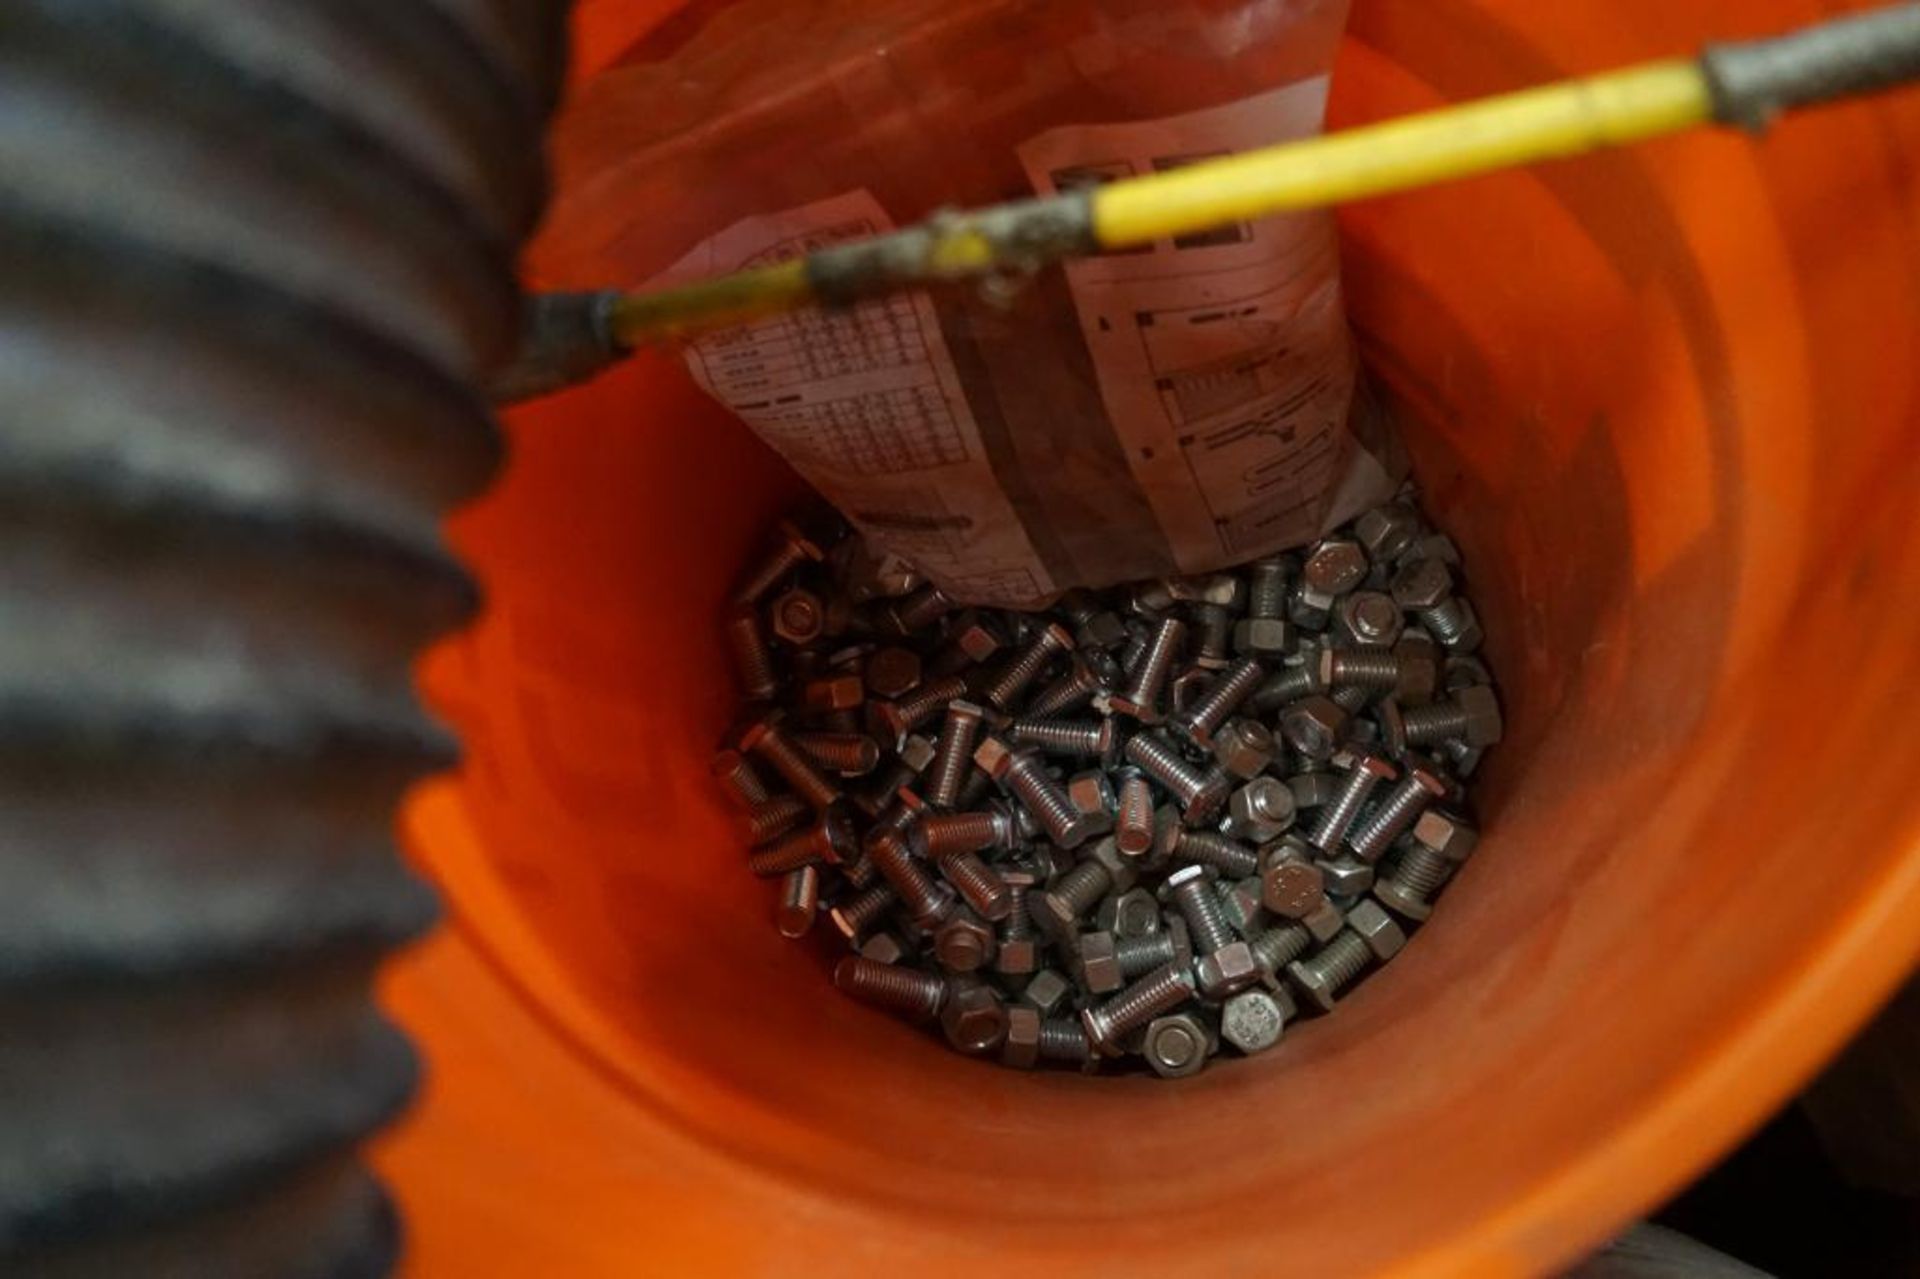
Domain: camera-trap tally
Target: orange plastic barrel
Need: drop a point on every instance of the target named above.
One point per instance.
(1666, 400)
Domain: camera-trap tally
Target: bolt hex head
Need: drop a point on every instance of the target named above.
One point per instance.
(1021, 1048)
(1099, 967)
(1378, 929)
(1292, 889)
(1252, 1021)
(1484, 725)
(1336, 566)
(1229, 969)
(1176, 1045)
(973, 1018)
(1444, 834)
(1421, 584)
(964, 943)
(1262, 636)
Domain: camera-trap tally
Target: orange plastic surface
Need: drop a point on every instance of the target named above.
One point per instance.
(1666, 400)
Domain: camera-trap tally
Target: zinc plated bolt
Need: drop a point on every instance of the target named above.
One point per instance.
(1201, 794)
(1086, 739)
(752, 655)
(1100, 872)
(893, 721)
(936, 836)
(1440, 842)
(1140, 699)
(926, 900)
(1366, 772)
(830, 841)
(856, 915)
(1226, 963)
(1371, 934)
(1158, 992)
(953, 757)
(1021, 774)
(978, 883)
(1200, 721)
(1133, 824)
(1472, 716)
(792, 550)
(799, 902)
(905, 992)
(849, 754)
(1420, 787)
(1005, 689)
(742, 782)
(768, 740)
(921, 609)
(1171, 945)
(775, 817)
(1176, 1045)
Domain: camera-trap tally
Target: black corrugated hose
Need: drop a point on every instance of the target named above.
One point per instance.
(256, 258)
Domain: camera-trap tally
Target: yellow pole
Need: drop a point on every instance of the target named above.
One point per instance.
(1414, 151)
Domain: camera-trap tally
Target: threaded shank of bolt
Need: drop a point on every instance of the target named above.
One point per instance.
(1421, 872)
(1018, 925)
(1060, 736)
(1352, 698)
(1280, 946)
(774, 817)
(1351, 668)
(1136, 955)
(919, 706)
(860, 912)
(799, 902)
(1160, 761)
(1267, 589)
(1372, 837)
(954, 757)
(752, 655)
(1006, 687)
(1133, 826)
(979, 884)
(1063, 1040)
(1232, 688)
(1134, 651)
(777, 565)
(1210, 848)
(1161, 990)
(1044, 798)
(1070, 692)
(797, 767)
(922, 608)
(904, 992)
(1338, 816)
(742, 781)
(1342, 959)
(1290, 685)
(1438, 722)
(1082, 886)
(1156, 663)
(918, 891)
(1445, 619)
(945, 834)
(1214, 630)
(789, 852)
(1206, 920)
(842, 752)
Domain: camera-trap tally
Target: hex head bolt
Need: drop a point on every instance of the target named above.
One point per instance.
(1061, 908)
(1440, 843)
(1277, 947)
(1005, 689)
(1160, 991)
(799, 616)
(895, 720)
(799, 902)
(963, 943)
(752, 655)
(855, 916)
(769, 741)
(1370, 934)
(1201, 720)
(937, 836)
(1085, 739)
(1173, 945)
(850, 754)
(905, 992)
(1368, 669)
(775, 817)
(1213, 634)
(793, 549)
(1201, 794)
(742, 781)
(1473, 717)
(1420, 787)
(1070, 692)
(1264, 630)
(1133, 825)
(829, 840)
(922, 608)
(978, 884)
(1366, 772)
(1063, 1039)
(953, 758)
(1140, 699)
(1226, 963)
(926, 900)
(1019, 952)
(1021, 774)
(1176, 1045)
(1215, 851)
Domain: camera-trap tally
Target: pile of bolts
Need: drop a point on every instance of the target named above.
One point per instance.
(1144, 822)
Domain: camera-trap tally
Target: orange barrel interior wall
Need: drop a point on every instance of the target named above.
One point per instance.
(1665, 399)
